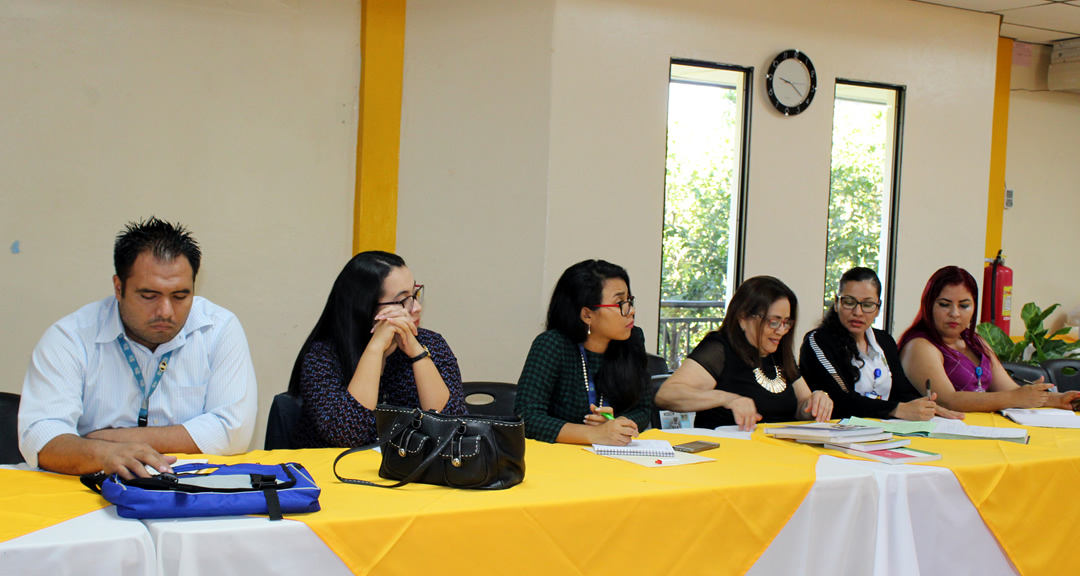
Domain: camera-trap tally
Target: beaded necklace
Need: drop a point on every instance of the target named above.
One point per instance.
(590, 390)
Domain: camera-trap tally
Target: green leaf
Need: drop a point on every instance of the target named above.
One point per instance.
(1028, 314)
(1053, 348)
(1017, 352)
(998, 340)
(1061, 332)
(1045, 314)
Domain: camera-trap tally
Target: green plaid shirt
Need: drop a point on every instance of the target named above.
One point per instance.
(551, 390)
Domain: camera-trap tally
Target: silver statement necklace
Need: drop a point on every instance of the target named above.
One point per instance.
(774, 385)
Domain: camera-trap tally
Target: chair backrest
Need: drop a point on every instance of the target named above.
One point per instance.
(9, 429)
(657, 365)
(657, 381)
(1029, 372)
(490, 398)
(1064, 373)
(281, 425)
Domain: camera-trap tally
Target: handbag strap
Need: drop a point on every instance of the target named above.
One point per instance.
(382, 443)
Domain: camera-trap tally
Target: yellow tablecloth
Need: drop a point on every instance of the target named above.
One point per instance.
(31, 501)
(575, 513)
(1024, 493)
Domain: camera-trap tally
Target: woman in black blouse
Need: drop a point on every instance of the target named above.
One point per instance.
(858, 365)
(745, 372)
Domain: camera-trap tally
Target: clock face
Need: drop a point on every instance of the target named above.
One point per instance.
(791, 82)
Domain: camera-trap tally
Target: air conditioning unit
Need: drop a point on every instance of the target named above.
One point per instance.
(1064, 72)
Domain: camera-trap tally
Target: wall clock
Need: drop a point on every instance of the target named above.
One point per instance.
(791, 82)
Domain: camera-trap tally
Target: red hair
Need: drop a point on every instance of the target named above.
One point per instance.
(923, 326)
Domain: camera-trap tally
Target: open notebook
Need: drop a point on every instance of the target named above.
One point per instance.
(659, 448)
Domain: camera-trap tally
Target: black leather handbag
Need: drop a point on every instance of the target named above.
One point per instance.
(478, 452)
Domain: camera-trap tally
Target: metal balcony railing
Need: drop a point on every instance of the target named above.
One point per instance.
(679, 335)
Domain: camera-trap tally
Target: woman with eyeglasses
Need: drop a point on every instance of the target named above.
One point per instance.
(586, 380)
(745, 372)
(857, 364)
(366, 349)
(941, 348)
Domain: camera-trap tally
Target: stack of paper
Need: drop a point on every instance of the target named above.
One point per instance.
(824, 432)
(895, 456)
(946, 429)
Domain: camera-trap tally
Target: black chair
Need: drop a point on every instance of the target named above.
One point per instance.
(281, 425)
(490, 398)
(657, 365)
(657, 381)
(9, 429)
(1029, 372)
(1064, 373)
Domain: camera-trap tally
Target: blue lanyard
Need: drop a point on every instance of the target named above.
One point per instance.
(589, 385)
(137, 372)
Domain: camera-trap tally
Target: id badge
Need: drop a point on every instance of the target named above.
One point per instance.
(873, 395)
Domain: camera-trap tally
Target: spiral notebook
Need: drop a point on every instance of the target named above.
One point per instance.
(658, 448)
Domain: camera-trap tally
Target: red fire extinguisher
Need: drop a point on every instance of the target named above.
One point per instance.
(997, 292)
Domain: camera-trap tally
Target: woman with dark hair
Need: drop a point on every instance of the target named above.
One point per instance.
(857, 364)
(942, 349)
(367, 349)
(586, 380)
(740, 374)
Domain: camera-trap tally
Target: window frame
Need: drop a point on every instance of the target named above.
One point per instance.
(740, 195)
(744, 161)
(889, 297)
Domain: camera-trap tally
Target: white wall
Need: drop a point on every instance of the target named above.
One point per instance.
(536, 135)
(1039, 232)
(236, 118)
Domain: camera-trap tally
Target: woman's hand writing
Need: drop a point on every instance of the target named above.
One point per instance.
(617, 432)
(596, 416)
(1031, 395)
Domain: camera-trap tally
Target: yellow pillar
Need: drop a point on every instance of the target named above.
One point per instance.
(998, 144)
(382, 58)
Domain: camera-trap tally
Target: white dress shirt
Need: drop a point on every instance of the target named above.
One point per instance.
(79, 381)
(875, 380)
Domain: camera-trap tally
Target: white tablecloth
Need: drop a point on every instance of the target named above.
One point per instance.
(859, 518)
(98, 543)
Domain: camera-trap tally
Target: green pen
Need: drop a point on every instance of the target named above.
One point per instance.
(608, 416)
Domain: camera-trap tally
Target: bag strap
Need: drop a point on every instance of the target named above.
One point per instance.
(269, 486)
(382, 443)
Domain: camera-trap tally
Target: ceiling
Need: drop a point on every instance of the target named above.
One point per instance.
(1035, 21)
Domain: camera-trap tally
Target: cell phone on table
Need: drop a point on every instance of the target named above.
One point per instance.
(696, 446)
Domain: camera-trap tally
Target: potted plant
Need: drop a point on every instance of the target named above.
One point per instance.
(1035, 335)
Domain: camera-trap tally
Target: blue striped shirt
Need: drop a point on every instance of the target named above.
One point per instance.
(79, 381)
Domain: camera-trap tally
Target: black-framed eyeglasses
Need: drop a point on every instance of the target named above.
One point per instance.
(777, 323)
(868, 306)
(624, 306)
(407, 302)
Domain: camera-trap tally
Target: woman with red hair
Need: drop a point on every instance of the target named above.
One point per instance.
(941, 350)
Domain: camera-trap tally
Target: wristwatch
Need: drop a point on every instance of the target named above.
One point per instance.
(420, 356)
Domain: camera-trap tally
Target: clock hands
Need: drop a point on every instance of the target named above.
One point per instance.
(792, 84)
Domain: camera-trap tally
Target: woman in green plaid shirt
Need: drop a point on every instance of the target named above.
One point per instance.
(586, 378)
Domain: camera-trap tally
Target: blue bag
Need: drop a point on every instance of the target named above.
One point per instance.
(190, 491)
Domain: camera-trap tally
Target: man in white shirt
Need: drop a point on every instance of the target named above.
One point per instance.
(152, 369)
